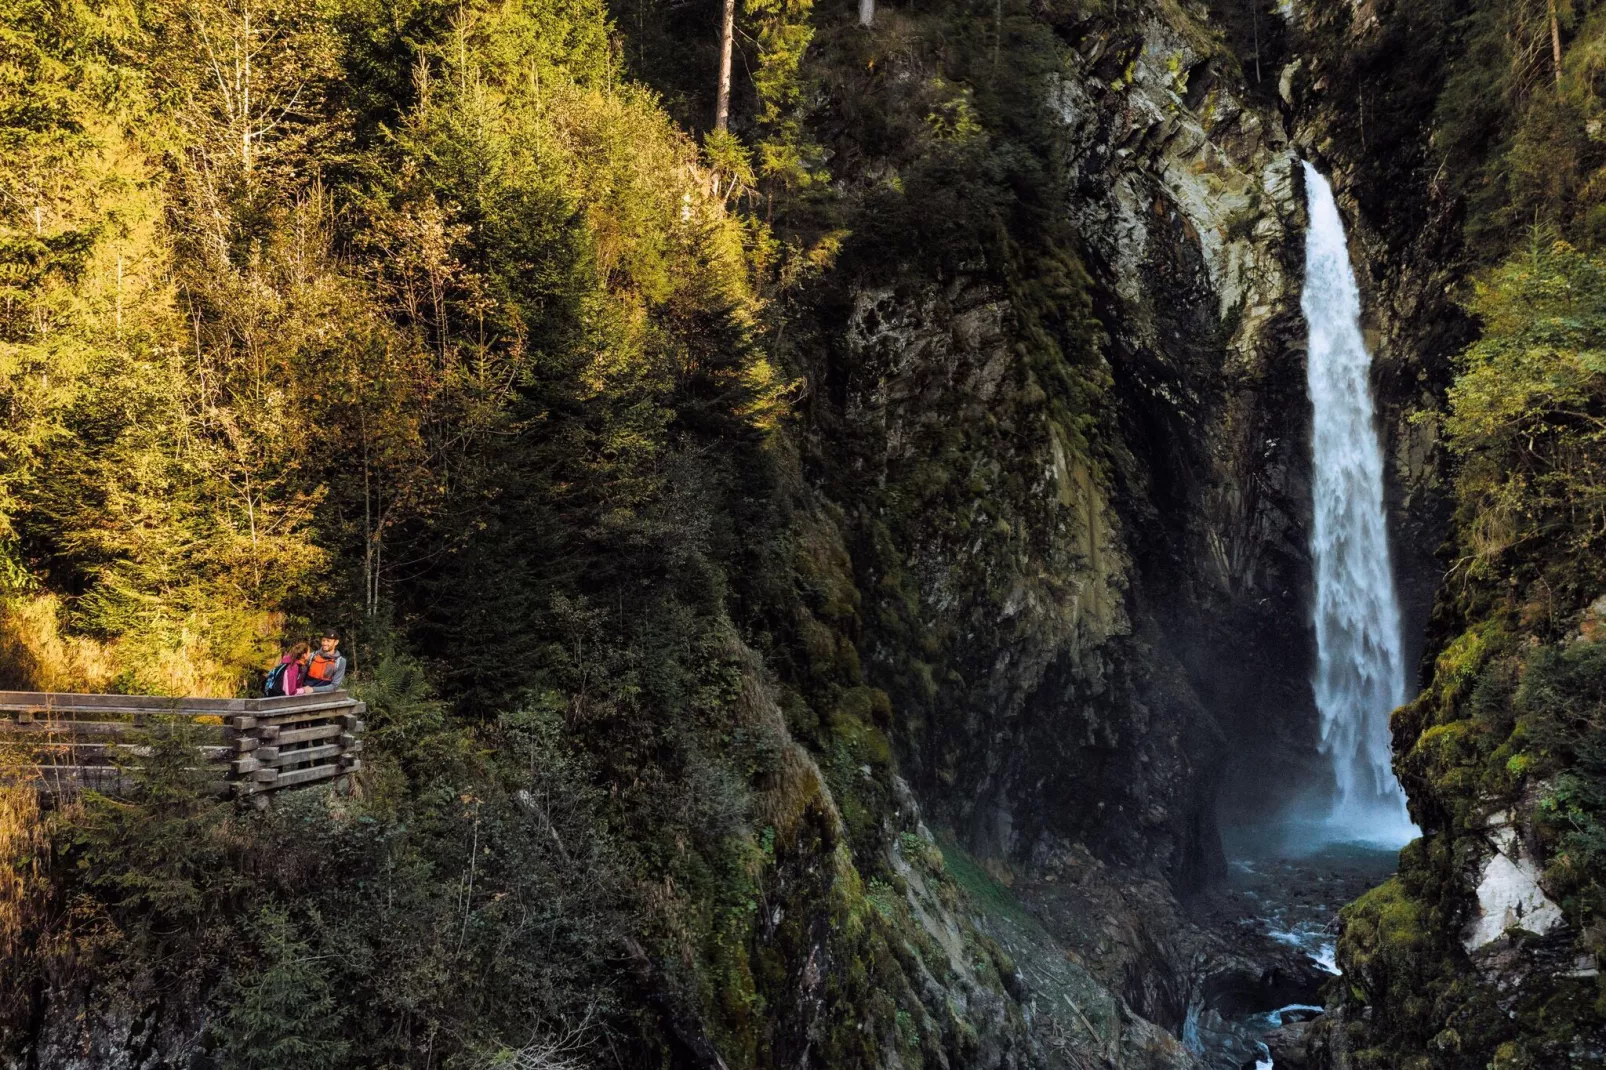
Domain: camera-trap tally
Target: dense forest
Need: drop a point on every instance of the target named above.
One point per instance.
(464, 329)
(429, 322)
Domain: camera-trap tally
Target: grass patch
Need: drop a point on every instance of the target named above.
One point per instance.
(984, 891)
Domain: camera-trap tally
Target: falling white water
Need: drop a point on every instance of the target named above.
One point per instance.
(1360, 675)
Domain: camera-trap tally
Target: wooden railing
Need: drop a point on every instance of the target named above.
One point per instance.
(69, 742)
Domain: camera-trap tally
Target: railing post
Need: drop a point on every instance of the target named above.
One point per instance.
(245, 771)
(350, 744)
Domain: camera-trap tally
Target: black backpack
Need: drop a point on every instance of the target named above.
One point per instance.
(273, 686)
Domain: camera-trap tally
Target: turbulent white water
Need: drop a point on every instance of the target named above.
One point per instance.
(1360, 674)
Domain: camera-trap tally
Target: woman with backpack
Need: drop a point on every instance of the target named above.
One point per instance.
(286, 677)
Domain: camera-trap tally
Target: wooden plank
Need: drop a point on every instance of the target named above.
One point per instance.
(303, 754)
(66, 716)
(306, 735)
(34, 768)
(80, 752)
(50, 756)
(46, 700)
(93, 730)
(108, 713)
(326, 709)
(268, 743)
(36, 729)
(30, 704)
(307, 776)
(327, 700)
(115, 779)
(54, 700)
(80, 776)
(106, 779)
(106, 784)
(290, 720)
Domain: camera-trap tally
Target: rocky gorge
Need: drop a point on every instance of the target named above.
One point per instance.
(1124, 625)
(843, 593)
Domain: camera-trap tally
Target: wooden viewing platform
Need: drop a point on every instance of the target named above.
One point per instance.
(70, 742)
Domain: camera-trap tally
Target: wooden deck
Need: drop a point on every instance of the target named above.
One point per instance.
(70, 743)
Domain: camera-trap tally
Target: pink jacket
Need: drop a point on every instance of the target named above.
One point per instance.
(292, 674)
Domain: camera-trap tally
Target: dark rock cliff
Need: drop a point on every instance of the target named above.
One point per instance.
(1111, 617)
(1085, 575)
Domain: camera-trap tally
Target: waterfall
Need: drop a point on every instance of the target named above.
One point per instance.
(1360, 674)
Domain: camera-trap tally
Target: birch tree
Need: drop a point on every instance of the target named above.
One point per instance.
(727, 31)
(1555, 40)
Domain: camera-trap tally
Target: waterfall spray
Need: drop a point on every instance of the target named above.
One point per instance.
(1360, 674)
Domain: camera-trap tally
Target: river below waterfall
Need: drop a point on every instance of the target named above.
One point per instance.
(1291, 897)
(1233, 973)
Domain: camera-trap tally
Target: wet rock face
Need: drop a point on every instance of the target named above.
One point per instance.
(1289, 1046)
(117, 1027)
(1104, 619)
(1172, 964)
(1136, 648)
(1192, 203)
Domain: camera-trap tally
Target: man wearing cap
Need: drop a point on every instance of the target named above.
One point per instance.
(326, 669)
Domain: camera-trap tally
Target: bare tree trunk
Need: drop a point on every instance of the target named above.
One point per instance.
(722, 107)
(242, 49)
(998, 31)
(866, 12)
(1555, 41)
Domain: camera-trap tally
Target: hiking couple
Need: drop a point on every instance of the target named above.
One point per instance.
(304, 671)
